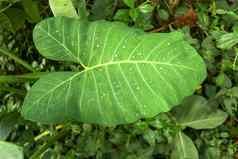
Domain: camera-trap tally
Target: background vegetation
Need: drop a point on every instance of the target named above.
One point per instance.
(210, 26)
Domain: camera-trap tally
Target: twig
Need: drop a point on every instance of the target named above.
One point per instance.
(47, 132)
(21, 78)
(17, 59)
(8, 6)
(50, 142)
(12, 90)
(163, 27)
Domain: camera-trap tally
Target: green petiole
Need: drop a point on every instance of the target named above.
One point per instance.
(17, 59)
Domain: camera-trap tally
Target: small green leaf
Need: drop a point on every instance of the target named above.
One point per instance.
(102, 5)
(134, 13)
(7, 122)
(17, 18)
(146, 8)
(223, 81)
(150, 136)
(184, 148)
(10, 151)
(122, 15)
(5, 22)
(130, 3)
(31, 9)
(63, 8)
(211, 152)
(82, 9)
(221, 11)
(203, 20)
(163, 14)
(128, 74)
(195, 112)
(227, 40)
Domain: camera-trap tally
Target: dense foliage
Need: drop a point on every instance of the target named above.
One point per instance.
(203, 125)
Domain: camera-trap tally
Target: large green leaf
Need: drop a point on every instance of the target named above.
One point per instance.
(195, 112)
(10, 151)
(184, 147)
(128, 74)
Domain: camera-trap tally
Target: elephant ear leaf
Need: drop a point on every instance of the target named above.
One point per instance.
(128, 74)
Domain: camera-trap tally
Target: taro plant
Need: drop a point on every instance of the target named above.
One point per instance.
(197, 113)
(127, 74)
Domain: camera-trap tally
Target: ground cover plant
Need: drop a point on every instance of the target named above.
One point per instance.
(118, 79)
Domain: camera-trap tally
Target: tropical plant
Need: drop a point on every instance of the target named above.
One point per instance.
(197, 113)
(119, 65)
(112, 90)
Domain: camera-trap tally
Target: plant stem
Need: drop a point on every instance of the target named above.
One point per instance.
(8, 6)
(51, 141)
(13, 90)
(17, 59)
(170, 115)
(47, 132)
(21, 78)
(234, 63)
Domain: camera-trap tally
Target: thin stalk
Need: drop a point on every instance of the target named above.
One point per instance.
(82, 11)
(17, 59)
(12, 90)
(8, 6)
(170, 115)
(50, 142)
(47, 132)
(234, 62)
(21, 78)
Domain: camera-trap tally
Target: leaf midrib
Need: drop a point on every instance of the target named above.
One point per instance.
(199, 121)
(113, 63)
(183, 145)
